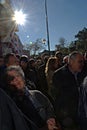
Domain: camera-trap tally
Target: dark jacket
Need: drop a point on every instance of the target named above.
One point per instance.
(25, 104)
(43, 86)
(11, 118)
(42, 104)
(66, 93)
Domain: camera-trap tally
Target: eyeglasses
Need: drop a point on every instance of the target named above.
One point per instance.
(11, 78)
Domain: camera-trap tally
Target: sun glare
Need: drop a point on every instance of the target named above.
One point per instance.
(20, 17)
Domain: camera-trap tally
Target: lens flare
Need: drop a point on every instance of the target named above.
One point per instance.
(20, 17)
(31, 43)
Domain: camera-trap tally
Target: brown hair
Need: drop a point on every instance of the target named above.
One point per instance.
(50, 64)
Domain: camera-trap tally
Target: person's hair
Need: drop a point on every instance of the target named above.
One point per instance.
(58, 54)
(73, 55)
(7, 56)
(24, 58)
(50, 64)
(46, 59)
(18, 56)
(31, 61)
(17, 69)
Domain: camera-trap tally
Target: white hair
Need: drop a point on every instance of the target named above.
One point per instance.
(17, 69)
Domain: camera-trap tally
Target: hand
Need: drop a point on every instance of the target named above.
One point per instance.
(52, 124)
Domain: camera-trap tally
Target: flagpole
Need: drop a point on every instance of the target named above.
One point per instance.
(47, 27)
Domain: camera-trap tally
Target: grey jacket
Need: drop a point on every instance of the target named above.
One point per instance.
(42, 104)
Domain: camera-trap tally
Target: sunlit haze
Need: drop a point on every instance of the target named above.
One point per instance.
(20, 17)
(65, 19)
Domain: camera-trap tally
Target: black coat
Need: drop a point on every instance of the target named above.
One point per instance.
(66, 93)
(11, 118)
(25, 104)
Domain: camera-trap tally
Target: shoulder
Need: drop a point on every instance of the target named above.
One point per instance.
(3, 95)
(7, 102)
(85, 82)
(60, 71)
(36, 93)
(39, 96)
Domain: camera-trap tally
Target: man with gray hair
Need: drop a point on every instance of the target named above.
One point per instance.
(66, 88)
(35, 105)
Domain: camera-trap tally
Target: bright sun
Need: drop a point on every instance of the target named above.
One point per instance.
(20, 17)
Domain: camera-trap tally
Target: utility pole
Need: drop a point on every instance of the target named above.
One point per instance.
(47, 27)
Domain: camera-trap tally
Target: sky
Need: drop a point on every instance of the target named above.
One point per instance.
(65, 19)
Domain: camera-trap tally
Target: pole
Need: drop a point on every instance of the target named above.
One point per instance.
(47, 27)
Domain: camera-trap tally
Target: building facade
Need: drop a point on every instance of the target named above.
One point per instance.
(9, 40)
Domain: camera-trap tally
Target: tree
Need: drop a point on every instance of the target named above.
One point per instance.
(61, 46)
(35, 47)
(57, 47)
(62, 42)
(82, 39)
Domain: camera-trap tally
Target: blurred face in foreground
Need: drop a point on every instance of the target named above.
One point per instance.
(15, 79)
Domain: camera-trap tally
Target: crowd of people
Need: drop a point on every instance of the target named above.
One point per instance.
(43, 93)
